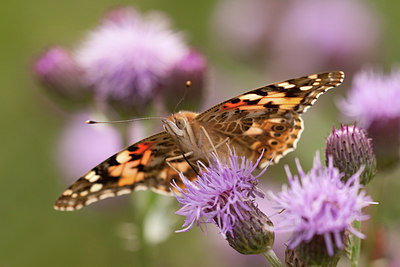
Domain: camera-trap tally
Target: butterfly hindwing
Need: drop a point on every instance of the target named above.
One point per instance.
(139, 166)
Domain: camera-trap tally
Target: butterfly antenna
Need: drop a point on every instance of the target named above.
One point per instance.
(183, 154)
(188, 84)
(123, 121)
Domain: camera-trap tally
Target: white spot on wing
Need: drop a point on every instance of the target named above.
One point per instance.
(253, 131)
(140, 187)
(123, 157)
(67, 192)
(96, 187)
(286, 85)
(123, 192)
(91, 200)
(106, 195)
(250, 97)
(305, 88)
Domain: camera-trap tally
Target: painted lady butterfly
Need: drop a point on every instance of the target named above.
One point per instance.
(267, 118)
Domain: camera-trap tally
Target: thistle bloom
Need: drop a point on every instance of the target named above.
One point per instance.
(279, 33)
(318, 206)
(374, 101)
(224, 194)
(129, 56)
(126, 61)
(350, 148)
(373, 96)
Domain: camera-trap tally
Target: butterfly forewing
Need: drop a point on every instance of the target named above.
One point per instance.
(267, 118)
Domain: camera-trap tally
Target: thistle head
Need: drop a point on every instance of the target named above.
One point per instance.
(224, 194)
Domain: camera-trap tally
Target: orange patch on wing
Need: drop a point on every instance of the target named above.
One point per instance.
(134, 163)
(281, 100)
(231, 105)
(116, 170)
(286, 107)
(275, 95)
(128, 178)
(146, 157)
(142, 147)
(254, 107)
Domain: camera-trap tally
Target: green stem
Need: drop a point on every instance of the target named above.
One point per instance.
(356, 245)
(272, 258)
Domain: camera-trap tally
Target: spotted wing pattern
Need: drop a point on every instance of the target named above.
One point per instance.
(139, 166)
(267, 118)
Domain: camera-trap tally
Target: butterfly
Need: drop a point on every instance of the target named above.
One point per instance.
(264, 120)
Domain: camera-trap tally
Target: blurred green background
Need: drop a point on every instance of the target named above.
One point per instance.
(31, 232)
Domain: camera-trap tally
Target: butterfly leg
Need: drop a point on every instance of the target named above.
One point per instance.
(210, 141)
(168, 160)
(225, 141)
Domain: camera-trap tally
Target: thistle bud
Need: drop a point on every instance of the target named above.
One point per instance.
(350, 149)
(254, 235)
(57, 70)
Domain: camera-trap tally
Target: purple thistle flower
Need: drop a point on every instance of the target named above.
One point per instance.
(374, 101)
(319, 204)
(224, 194)
(373, 96)
(57, 70)
(220, 193)
(129, 56)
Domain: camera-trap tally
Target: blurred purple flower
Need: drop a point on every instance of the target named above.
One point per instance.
(373, 96)
(299, 37)
(129, 56)
(318, 203)
(315, 35)
(191, 67)
(221, 194)
(374, 101)
(125, 62)
(57, 70)
(82, 146)
(245, 27)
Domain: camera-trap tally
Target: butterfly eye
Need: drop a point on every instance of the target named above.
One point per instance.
(180, 123)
